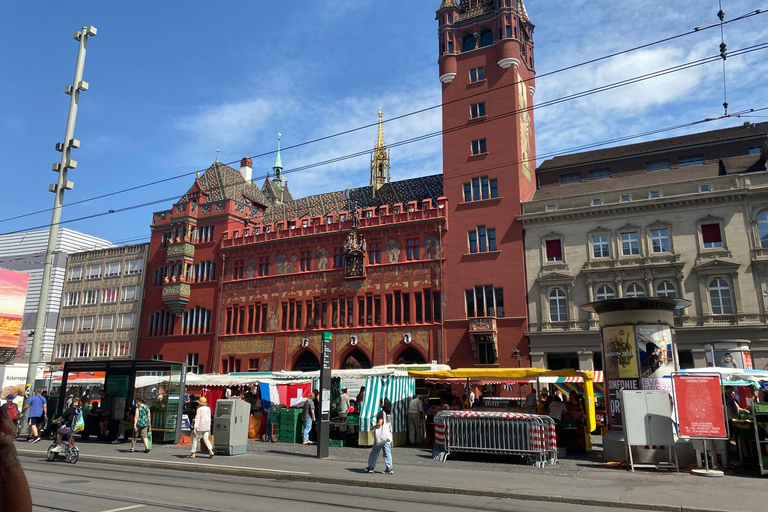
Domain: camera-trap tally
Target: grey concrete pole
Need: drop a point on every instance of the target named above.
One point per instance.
(58, 190)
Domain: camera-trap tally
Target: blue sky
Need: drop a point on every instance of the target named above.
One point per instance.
(171, 82)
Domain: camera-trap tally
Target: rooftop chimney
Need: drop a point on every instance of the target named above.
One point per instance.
(246, 168)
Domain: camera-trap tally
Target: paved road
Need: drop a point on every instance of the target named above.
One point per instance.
(92, 487)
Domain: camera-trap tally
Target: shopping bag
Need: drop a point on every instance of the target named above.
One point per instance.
(149, 441)
(383, 434)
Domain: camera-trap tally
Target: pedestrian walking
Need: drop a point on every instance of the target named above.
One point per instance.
(202, 428)
(415, 420)
(141, 422)
(38, 410)
(382, 438)
(308, 414)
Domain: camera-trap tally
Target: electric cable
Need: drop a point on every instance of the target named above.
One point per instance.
(419, 111)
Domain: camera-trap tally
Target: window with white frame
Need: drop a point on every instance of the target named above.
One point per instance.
(720, 297)
(87, 323)
(558, 306)
(601, 246)
(635, 290)
(122, 348)
(483, 301)
(554, 250)
(67, 324)
(133, 266)
(629, 244)
(106, 322)
(71, 298)
(605, 293)
(624, 198)
(660, 240)
(666, 289)
(109, 295)
(477, 110)
(711, 236)
(113, 268)
(90, 297)
(83, 350)
(476, 75)
(64, 351)
(762, 229)
(126, 321)
(654, 194)
(102, 348)
(597, 201)
(130, 293)
(94, 271)
(75, 274)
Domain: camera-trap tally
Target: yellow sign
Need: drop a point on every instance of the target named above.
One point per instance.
(620, 352)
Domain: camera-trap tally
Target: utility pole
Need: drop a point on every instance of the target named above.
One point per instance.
(58, 190)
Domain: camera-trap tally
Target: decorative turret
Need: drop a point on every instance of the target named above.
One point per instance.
(278, 167)
(379, 161)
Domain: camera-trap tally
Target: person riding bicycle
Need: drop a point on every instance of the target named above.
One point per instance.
(67, 423)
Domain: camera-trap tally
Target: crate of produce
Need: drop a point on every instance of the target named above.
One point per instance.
(353, 420)
(761, 407)
(336, 442)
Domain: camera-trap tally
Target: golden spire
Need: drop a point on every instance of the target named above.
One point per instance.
(379, 160)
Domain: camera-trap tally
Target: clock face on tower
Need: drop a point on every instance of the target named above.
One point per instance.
(354, 266)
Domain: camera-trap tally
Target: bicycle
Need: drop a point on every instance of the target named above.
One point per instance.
(71, 453)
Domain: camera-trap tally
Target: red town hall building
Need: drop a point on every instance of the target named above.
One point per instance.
(246, 278)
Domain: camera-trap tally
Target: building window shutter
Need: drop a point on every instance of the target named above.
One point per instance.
(710, 233)
(554, 250)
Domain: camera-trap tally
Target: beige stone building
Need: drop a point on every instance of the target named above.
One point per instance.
(683, 217)
(101, 304)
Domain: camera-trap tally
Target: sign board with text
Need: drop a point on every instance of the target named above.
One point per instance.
(699, 404)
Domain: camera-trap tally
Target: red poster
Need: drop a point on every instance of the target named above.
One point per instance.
(699, 403)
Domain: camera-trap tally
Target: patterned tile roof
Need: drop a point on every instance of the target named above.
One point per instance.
(415, 189)
(221, 182)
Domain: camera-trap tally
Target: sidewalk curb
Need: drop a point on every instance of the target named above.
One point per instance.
(298, 477)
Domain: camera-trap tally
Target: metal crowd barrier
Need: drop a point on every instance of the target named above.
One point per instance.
(529, 436)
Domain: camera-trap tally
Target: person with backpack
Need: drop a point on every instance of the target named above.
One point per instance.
(382, 438)
(12, 409)
(70, 421)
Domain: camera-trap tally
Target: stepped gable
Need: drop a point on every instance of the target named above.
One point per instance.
(414, 189)
(222, 182)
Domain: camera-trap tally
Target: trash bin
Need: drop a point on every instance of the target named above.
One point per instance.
(230, 427)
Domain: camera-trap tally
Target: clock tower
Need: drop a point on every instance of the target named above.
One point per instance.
(487, 74)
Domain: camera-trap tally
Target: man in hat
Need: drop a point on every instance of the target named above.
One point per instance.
(202, 428)
(12, 409)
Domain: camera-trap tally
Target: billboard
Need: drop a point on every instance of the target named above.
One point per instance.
(13, 295)
(699, 404)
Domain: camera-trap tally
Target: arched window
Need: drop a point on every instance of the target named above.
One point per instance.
(666, 289)
(558, 306)
(720, 297)
(410, 356)
(635, 290)
(762, 228)
(468, 43)
(605, 293)
(486, 38)
(356, 359)
(307, 362)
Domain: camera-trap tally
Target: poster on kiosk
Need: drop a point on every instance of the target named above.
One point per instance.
(636, 357)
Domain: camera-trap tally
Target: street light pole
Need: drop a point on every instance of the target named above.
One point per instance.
(58, 190)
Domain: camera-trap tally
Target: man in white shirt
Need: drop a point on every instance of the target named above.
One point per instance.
(415, 419)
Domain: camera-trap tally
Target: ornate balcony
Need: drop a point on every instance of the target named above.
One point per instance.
(180, 250)
(176, 296)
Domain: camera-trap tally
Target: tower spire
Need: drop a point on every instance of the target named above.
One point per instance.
(379, 160)
(278, 167)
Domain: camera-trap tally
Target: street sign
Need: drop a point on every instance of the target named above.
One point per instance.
(324, 414)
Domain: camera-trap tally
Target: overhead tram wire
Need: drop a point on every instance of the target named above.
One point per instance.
(474, 172)
(408, 114)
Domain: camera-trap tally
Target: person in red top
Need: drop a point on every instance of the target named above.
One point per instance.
(12, 409)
